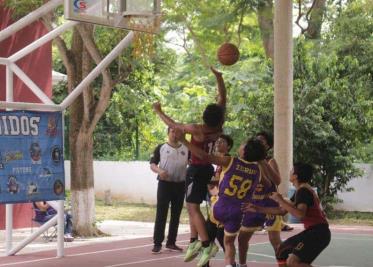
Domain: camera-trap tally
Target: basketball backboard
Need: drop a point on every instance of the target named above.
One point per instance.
(138, 15)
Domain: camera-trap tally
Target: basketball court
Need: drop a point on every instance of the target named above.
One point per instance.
(351, 246)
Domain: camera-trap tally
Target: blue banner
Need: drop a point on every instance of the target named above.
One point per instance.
(31, 156)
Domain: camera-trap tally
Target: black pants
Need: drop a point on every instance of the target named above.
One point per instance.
(168, 192)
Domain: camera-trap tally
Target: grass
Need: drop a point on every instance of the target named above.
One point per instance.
(351, 217)
(130, 212)
(146, 213)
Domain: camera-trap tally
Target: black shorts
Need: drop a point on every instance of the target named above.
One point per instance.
(306, 245)
(197, 178)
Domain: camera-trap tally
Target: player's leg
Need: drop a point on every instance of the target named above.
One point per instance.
(163, 201)
(230, 251)
(251, 222)
(274, 224)
(311, 243)
(177, 201)
(243, 246)
(295, 261)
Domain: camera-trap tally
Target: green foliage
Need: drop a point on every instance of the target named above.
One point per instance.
(21, 8)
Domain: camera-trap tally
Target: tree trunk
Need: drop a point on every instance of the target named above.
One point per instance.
(81, 145)
(82, 185)
(315, 20)
(265, 21)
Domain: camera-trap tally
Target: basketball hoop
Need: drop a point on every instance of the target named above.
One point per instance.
(137, 15)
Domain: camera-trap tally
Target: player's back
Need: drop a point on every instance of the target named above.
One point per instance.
(239, 181)
(205, 141)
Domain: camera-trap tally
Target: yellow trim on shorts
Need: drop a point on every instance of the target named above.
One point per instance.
(251, 229)
(231, 234)
(277, 225)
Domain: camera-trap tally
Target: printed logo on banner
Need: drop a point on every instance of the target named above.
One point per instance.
(31, 156)
(56, 154)
(52, 126)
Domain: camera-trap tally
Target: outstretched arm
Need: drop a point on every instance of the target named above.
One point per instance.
(270, 171)
(188, 128)
(166, 119)
(222, 92)
(249, 207)
(214, 159)
(298, 211)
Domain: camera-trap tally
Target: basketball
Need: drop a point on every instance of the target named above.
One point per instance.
(228, 54)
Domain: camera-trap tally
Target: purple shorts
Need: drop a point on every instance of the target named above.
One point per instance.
(229, 214)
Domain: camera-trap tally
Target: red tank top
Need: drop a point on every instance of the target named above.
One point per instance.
(207, 146)
(315, 215)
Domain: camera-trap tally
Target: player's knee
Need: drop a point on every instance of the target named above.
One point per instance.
(282, 252)
(292, 261)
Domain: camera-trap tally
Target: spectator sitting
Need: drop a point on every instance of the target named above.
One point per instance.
(44, 212)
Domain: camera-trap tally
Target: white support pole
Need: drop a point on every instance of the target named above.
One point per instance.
(60, 229)
(39, 42)
(97, 70)
(9, 207)
(283, 97)
(29, 106)
(34, 88)
(33, 236)
(4, 61)
(9, 226)
(28, 19)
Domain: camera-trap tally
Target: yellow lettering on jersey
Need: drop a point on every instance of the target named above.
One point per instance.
(246, 169)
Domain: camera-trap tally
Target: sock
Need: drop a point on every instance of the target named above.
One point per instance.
(206, 243)
(192, 239)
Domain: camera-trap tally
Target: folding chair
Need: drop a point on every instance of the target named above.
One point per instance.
(50, 234)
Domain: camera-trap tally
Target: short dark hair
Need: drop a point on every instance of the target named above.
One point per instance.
(213, 115)
(227, 139)
(303, 171)
(268, 137)
(254, 150)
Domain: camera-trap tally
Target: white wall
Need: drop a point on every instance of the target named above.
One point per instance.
(133, 181)
(361, 199)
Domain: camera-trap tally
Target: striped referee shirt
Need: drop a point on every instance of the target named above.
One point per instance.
(172, 159)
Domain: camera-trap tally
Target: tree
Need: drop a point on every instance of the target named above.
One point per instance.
(79, 55)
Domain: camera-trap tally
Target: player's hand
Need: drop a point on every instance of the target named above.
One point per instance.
(163, 174)
(248, 207)
(216, 72)
(276, 197)
(157, 107)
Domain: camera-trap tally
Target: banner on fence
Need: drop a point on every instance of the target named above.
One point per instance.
(31, 156)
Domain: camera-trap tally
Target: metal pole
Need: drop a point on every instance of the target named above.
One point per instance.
(29, 106)
(97, 70)
(283, 96)
(9, 207)
(60, 229)
(28, 19)
(34, 88)
(33, 236)
(39, 42)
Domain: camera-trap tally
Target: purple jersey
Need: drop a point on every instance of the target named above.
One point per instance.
(239, 181)
(237, 185)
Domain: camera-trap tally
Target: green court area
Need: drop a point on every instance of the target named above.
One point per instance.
(344, 250)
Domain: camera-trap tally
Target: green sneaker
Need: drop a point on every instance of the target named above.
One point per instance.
(192, 251)
(207, 254)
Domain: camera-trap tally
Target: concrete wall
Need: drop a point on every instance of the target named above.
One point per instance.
(134, 182)
(361, 199)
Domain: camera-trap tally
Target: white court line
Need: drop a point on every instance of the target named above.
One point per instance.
(262, 255)
(139, 262)
(80, 254)
(97, 252)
